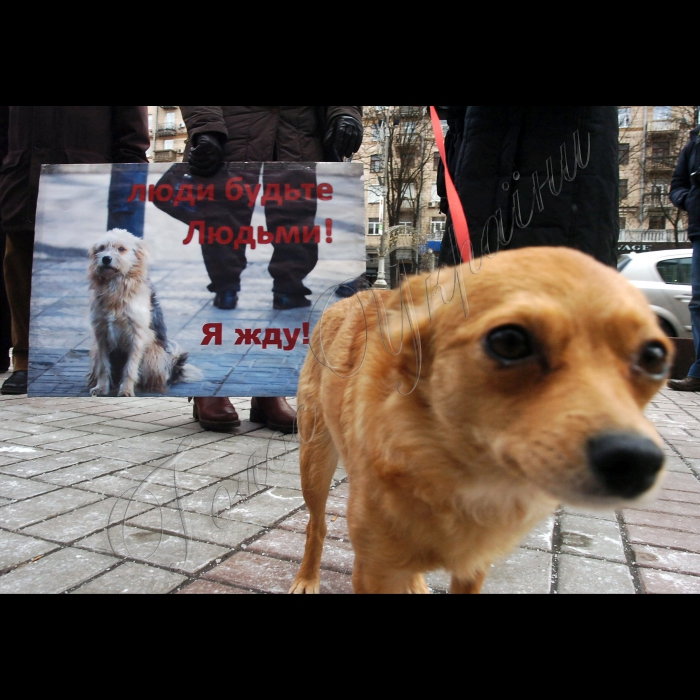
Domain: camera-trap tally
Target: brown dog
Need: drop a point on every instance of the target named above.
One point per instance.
(462, 430)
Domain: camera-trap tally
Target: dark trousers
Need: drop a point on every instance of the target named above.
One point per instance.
(694, 371)
(290, 262)
(121, 213)
(19, 250)
(5, 316)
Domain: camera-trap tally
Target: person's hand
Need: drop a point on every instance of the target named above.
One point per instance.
(345, 135)
(206, 156)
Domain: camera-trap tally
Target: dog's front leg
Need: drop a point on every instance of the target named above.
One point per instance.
(101, 370)
(467, 585)
(371, 577)
(130, 374)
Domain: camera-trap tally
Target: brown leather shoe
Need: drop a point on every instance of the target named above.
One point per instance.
(685, 384)
(275, 412)
(215, 413)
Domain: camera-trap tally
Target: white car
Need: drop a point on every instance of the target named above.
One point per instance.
(664, 277)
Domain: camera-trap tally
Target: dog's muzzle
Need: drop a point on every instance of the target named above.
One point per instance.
(625, 463)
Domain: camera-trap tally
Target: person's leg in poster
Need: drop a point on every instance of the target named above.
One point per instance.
(122, 213)
(292, 259)
(18, 283)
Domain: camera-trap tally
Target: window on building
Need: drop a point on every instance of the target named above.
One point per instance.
(169, 120)
(437, 228)
(623, 222)
(409, 127)
(405, 222)
(658, 193)
(623, 189)
(408, 159)
(624, 157)
(376, 164)
(434, 196)
(662, 114)
(408, 192)
(657, 223)
(660, 152)
(624, 117)
(169, 144)
(436, 160)
(373, 226)
(378, 130)
(374, 194)
(150, 122)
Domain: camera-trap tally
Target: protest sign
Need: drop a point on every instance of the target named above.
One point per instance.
(294, 227)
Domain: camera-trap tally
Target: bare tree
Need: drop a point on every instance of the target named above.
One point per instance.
(651, 140)
(404, 149)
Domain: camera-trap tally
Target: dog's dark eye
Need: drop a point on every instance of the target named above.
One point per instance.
(121, 249)
(653, 359)
(509, 343)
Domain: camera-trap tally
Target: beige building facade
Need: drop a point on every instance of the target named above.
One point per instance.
(651, 139)
(168, 134)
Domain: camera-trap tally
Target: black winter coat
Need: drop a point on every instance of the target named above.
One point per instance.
(267, 133)
(684, 194)
(528, 176)
(31, 136)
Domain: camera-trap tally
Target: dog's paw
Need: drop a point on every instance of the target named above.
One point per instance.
(418, 585)
(126, 392)
(302, 585)
(99, 391)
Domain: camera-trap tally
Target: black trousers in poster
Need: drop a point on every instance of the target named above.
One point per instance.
(290, 262)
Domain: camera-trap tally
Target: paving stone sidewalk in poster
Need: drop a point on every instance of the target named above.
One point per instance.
(72, 216)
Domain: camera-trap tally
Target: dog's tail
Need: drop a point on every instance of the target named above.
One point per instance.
(181, 371)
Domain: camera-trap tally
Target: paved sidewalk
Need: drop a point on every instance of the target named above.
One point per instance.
(131, 496)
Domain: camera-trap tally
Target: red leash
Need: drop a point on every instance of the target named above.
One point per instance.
(459, 221)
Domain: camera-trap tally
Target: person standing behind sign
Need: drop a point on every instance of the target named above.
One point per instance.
(263, 134)
(30, 137)
(685, 194)
(534, 176)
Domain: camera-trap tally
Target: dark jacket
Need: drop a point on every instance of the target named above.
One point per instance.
(30, 136)
(267, 133)
(684, 193)
(493, 154)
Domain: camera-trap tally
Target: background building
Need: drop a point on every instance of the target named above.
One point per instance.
(401, 160)
(651, 139)
(168, 134)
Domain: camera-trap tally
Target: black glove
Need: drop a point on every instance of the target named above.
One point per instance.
(206, 156)
(345, 135)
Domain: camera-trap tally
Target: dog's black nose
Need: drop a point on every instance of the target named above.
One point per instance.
(626, 463)
(106, 260)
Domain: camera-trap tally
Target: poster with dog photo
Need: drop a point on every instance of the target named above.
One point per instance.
(150, 281)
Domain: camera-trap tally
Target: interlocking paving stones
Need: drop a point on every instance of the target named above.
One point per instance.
(268, 575)
(582, 575)
(60, 505)
(82, 522)
(152, 547)
(17, 548)
(215, 530)
(47, 505)
(523, 571)
(14, 488)
(55, 572)
(595, 538)
(131, 577)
